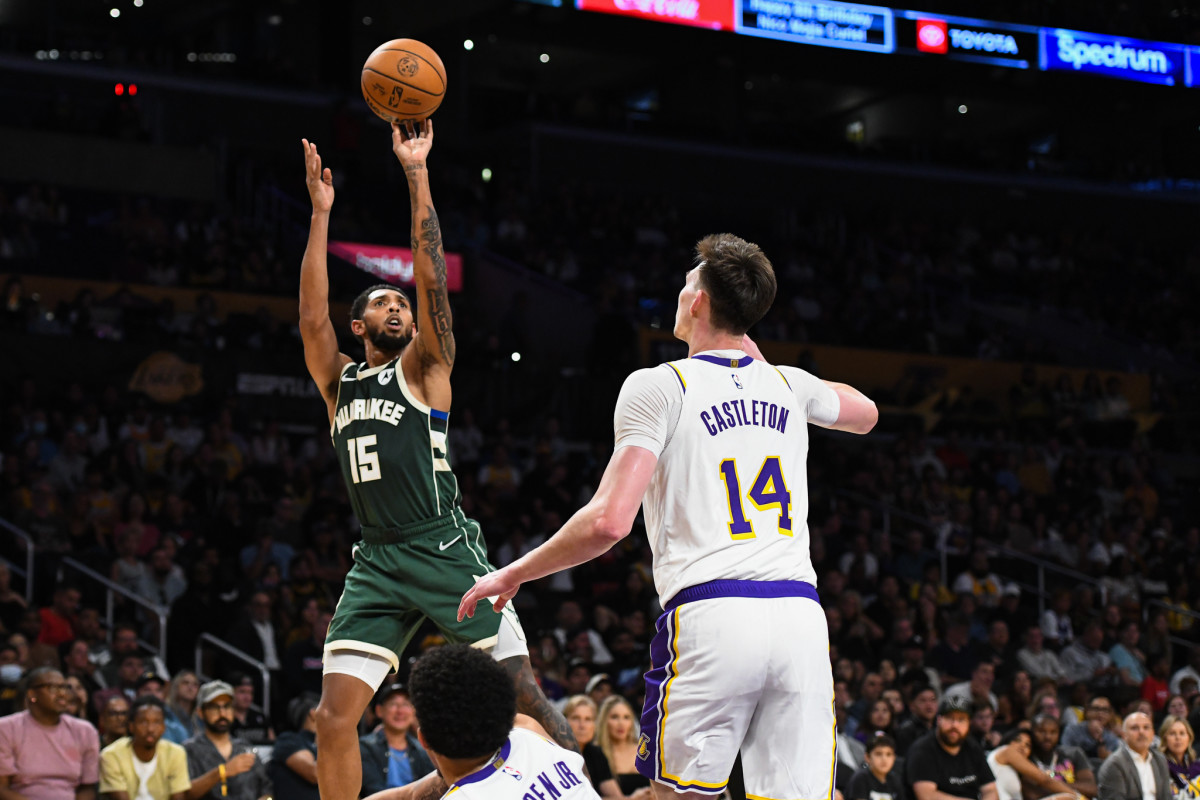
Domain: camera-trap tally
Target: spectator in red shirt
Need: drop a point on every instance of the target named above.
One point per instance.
(58, 619)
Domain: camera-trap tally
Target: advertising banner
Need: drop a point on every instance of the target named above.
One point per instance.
(393, 264)
(714, 14)
(1113, 56)
(847, 26)
(966, 39)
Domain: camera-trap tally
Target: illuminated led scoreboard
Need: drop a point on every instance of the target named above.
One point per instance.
(880, 29)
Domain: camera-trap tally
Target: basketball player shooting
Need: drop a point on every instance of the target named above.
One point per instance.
(714, 448)
(388, 420)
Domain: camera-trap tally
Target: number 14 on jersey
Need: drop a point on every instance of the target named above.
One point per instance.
(768, 490)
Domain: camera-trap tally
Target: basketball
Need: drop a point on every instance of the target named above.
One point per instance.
(403, 80)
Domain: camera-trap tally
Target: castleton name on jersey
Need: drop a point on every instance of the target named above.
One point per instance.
(736, 413)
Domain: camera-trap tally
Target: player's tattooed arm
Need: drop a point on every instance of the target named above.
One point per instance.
(531, 701)
(437, 296)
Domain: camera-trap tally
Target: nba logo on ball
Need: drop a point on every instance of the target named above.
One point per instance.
(932, 36)
(407, 67)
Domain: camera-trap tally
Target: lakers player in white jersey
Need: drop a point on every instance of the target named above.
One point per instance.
(714, 447)
(483, 750)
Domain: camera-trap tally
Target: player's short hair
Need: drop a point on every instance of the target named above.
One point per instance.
(360, 303)
(464, 699)
(738, 278)
(880, 740)
(144, 701)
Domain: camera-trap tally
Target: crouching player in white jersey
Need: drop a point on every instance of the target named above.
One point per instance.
(483, 750)
(714, 447)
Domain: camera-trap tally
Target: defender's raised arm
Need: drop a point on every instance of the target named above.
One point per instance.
(321, 353)
(434, 339)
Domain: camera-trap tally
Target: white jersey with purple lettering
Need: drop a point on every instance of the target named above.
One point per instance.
(739, 661)
(729, 497)
(528, 767)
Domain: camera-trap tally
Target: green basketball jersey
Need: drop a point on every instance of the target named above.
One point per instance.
(392, 449)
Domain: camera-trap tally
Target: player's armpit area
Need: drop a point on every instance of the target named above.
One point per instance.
(431, 787)
(532, 702)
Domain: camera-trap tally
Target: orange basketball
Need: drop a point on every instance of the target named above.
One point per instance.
(403, 80)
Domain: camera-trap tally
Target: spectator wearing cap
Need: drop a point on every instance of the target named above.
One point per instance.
(599, 688)
(248, 723)
(222, 767)
(1136, 771)
(391, 754)
(922, 709)
(293, 766)
(153, 684)
(46, 754)
(946, 763)
(144, 764)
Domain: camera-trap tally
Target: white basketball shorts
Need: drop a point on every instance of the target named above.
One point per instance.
(741, 665)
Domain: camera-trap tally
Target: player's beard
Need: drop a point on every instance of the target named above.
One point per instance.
(390, 342)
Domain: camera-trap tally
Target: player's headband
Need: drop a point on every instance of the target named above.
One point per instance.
(380, 293)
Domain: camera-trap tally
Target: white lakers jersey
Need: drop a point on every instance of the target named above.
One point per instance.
(729, 496)
(528, 767)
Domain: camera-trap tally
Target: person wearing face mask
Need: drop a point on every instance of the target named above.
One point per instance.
(46, 754)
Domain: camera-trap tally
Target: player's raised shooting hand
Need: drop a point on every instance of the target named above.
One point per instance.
(411, 142)
(499, 585)
(319, 181)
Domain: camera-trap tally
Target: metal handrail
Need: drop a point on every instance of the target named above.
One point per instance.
(1042, 565)
(25, 537)
(161, 613)
(241, 655)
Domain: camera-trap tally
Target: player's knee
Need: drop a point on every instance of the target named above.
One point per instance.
(332, 720)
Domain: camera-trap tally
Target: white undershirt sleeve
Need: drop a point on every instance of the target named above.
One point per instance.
(820, 403)
(648, 409)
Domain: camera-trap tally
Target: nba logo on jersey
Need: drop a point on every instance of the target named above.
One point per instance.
(513, 771)
(736, 382)
(643, 750)
(386, 376)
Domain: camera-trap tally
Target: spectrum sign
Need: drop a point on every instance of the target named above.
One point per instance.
(1114, 57)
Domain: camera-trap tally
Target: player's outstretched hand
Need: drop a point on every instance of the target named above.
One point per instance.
(319, 181)
(498, 585)
(411, 142)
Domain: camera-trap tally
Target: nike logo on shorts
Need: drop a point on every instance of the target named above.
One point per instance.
(444, 545)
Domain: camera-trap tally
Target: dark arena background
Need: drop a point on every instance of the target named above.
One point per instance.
(987, 224)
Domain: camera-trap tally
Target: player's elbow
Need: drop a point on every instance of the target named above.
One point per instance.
(868, 416)
(609, 528)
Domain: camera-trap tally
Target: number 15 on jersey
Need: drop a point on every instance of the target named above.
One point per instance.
(768, 490)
